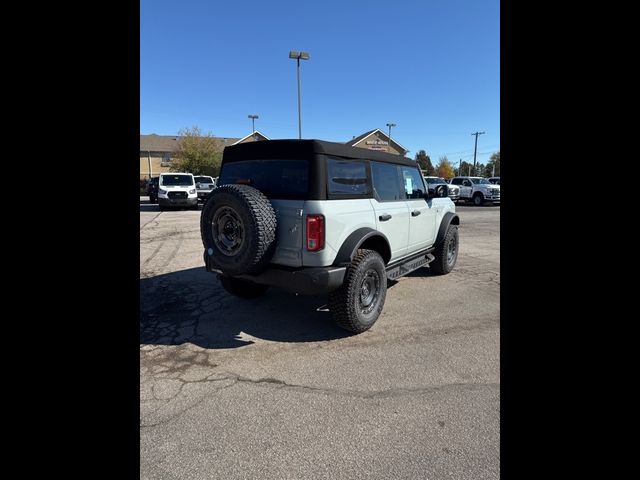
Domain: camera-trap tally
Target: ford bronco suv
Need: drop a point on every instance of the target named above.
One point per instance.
(315, 217)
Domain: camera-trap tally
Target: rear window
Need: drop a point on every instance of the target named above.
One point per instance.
(434, 181)
(287, 179)
(176, 180)
(203, 179)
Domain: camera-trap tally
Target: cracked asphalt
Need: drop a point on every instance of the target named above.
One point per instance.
(271, 389)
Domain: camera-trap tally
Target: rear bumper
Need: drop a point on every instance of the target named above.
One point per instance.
(305, 281)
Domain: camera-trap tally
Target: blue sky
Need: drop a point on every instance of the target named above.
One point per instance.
(432, 67)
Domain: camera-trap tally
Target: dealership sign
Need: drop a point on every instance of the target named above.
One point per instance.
(377, 142)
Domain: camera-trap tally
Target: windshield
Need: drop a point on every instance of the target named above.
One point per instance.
(436, 181)
(275, 178)
(203, 179)
(480, 180)
(176, 180)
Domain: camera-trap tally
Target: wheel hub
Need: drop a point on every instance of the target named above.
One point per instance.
(228, 231)
(451, 249)
(369, 291)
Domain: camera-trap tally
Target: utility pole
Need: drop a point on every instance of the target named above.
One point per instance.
(460, 167)
(475, 149)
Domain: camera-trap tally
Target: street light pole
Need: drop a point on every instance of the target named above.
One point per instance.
(298, 56)
(390, 125)
(253, 119)
(475, 149)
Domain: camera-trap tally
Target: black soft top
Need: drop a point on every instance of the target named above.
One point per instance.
(305, 150)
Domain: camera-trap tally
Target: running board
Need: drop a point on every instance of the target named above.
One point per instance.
(409, 265)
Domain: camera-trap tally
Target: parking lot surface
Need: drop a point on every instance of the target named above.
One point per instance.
(271, 389)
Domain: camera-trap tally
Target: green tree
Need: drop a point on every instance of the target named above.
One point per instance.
(494, 160)
(197, 153)
(425, 163)
(444, 168)
(466, 168)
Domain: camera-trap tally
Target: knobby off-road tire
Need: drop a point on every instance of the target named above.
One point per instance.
(241, 288)
(357, 304)
(446, 252)
(238, 226)
(478, 199)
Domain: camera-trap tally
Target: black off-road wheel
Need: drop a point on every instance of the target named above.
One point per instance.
(478, 199)
(446, 252)
(357, 304)
(238, 229)
(241, 288)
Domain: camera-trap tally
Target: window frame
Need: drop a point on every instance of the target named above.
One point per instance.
(403, 194)
(425, 188)
(348, 196)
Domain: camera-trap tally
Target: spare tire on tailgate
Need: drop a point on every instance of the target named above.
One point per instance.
(238, 228)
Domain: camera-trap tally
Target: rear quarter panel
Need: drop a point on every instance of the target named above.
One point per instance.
(342, 217)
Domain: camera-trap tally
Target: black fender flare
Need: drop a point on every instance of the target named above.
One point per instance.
(447, 219)
(354, 240)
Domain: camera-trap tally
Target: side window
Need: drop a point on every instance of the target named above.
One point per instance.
(412, 182)
(386, 182)
(466, 183)
(347, 178)
(456, 181)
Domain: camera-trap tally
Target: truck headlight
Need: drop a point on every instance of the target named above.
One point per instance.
(192, 191)
(162, 192)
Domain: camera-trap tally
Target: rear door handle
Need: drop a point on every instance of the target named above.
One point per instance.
(385, 217)
(415, 213)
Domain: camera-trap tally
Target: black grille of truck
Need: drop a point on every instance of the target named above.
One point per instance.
(177, 194)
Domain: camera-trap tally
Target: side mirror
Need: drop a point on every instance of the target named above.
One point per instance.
(441, 191)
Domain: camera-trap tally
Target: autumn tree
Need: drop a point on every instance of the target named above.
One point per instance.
(197, 153)
(444, 168)
(425, 163)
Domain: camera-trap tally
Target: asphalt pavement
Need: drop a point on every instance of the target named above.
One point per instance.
(271, 389)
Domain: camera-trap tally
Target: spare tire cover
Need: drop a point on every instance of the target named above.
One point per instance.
(238, 229)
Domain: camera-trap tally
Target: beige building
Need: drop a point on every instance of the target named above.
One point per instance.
(157, 151)
(377, 140)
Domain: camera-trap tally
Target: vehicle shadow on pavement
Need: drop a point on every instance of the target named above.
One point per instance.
(190, 306)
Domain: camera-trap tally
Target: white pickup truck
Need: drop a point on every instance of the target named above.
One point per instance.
(477, 190)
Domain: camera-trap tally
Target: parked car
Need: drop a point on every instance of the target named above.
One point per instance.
(453, 190)
(494, 180)
(316, 217)
(152, 189)
(477, 190)
(177, 190)
(204, 186)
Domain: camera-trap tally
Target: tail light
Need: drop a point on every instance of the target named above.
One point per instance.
(315, 232)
